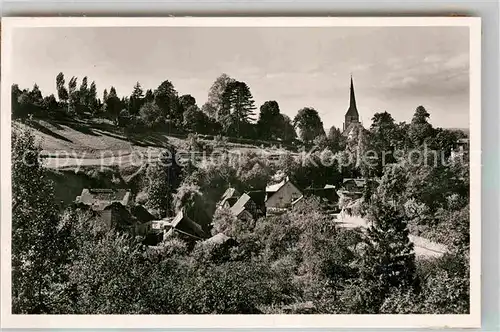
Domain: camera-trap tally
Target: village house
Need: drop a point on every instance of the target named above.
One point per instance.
(354, 186)
(327, 195)
(461, 146)
(114, 209)
(184, 227)
(280, 196)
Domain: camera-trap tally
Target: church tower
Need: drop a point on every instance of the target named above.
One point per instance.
(352, 115)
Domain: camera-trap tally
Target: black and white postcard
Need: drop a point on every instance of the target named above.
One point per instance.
(240, 172)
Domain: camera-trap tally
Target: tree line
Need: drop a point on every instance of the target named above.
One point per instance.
(229, 110)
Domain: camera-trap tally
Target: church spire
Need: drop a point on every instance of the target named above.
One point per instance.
(352, 115)
(352, 112)
(352, 104)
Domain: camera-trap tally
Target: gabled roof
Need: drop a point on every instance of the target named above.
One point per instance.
(185, 224)
(99, 199)
(219, 238)
(227, 196)
(240, 205)
(275, 187)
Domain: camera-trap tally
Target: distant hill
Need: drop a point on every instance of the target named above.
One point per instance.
(464, 130)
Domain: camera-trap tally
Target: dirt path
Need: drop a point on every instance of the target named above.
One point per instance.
(423, 247)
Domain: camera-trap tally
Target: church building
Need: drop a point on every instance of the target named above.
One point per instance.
(352, 115)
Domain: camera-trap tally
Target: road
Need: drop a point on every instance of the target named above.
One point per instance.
(422, 246)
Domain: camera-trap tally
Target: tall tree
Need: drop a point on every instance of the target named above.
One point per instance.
(420, 128)
(36, 96)
(288, 133)
(237, 106)
(166, 98)
(309, 124)
(270, 123)
(336, 140)
(84, 93)
(214, 104)
(92, 97)
(62, 92)
(73, 96)
(37, 247)
(388, 261)
(113, 105)
(136, 99)
(163, 180)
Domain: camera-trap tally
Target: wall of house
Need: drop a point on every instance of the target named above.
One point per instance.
(284, 196)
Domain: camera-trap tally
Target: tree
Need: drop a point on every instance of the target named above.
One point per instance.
(50, 103)
(195, 120)
(149, 96)
(14, 96)
(309, 124)
(62, 92)
(420, 129)
(166, 99)
(36, 96)
(136, 99)
(113, 105)
(73, 96)
(213, 106)
(38, 251)
(237, 108)
(92, 98)
(336, 141)
(151, 115)
(84, 93)
(270, 121)
(288, 133)
(383, 140)
(388, 260)
(187, 101)
(163, 180)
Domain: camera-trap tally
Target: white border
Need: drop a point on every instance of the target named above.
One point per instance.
(245, 321)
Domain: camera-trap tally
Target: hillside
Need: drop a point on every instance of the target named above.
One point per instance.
(88, 141)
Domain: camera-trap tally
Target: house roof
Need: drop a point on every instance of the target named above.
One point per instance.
(298, 200)
(240, 205)
(358, 182)
(183, 222)
(228, 194)
(101, 198)
(329, 186)
(275, 187)
(351, 127)
(219, 238)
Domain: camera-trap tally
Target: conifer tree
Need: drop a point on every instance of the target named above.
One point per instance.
(388, 260)
(237, 108)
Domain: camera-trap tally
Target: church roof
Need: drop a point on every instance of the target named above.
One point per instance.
(353, 110)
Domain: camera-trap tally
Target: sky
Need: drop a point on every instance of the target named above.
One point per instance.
(395, 69)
